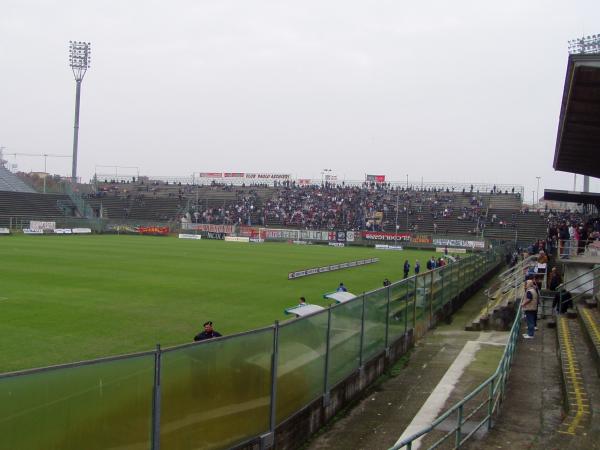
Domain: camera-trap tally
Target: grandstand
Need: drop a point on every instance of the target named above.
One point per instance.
(495, 215)
(18, 208)
(10, 182)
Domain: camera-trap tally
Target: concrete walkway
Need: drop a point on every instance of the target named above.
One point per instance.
(387, 410)
(532, 410)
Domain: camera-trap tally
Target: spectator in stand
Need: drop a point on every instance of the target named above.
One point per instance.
(562, 302)
(542, 262)
(530, 306)
(555, 279)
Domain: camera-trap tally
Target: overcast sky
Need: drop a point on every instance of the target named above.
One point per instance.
(448, 91)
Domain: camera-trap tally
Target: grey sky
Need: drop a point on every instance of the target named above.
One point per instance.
(448, 91)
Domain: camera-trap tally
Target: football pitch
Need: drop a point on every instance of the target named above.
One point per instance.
(70, 298)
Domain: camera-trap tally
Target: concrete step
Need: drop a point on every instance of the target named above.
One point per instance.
(589, 319)
(581, 383)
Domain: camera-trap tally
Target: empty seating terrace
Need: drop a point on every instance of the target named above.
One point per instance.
(18, 208)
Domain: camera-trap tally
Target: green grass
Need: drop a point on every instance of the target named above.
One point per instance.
(70, 298)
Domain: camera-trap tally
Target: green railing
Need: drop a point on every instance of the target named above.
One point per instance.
(480, 406)
(226, 391)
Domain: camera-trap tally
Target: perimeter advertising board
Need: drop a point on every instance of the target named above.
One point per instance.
(458, 243)
(382, 236)
(330, 268)
(211, 228)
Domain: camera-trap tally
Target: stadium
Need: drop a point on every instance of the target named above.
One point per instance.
(266, 309)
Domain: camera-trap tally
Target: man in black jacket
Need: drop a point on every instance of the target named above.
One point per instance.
(208, 332)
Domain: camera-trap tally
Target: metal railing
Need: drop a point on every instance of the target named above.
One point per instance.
(577, 285)
(491, 392)
(487, 399)
(568, 248)
(225, 391)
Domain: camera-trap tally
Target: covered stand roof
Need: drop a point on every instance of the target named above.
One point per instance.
(587, 198)
(578, 140)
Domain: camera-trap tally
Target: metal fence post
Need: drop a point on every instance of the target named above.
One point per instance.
(460, 277)
(459, 419)
(443, 275)
(490, 405)
(431, 299)
(155, 442)
(327, 344)
(362, 333)
(414, 305)
(387, 320)
(274, 362)
(406, 309)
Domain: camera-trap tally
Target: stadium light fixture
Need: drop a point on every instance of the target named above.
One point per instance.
(585, 45)
(79, 61)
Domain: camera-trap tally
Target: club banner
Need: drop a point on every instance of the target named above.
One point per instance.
(233, 175)
(211, 175)
(39, 225)
(381, 236)
(314, 235)
(458, 243)
(281, 234)
(215, 236)
(127, 229)
(212, 228)
(268, 176)
(154, 231)
(337, 236)
(251, 232)
(421, 240)
(330, 268)
(376, 178)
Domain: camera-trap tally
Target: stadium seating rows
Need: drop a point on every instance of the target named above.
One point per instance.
(493, 215)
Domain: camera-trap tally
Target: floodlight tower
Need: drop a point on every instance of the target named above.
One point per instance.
(585, 45)
(79, 60)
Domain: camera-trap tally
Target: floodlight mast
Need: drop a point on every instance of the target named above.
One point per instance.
(585, 45)
(79, 61)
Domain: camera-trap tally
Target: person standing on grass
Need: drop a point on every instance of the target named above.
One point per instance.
(208, 333)
(406, 268)
(530, 302)
(302, 302)
(417, 267)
